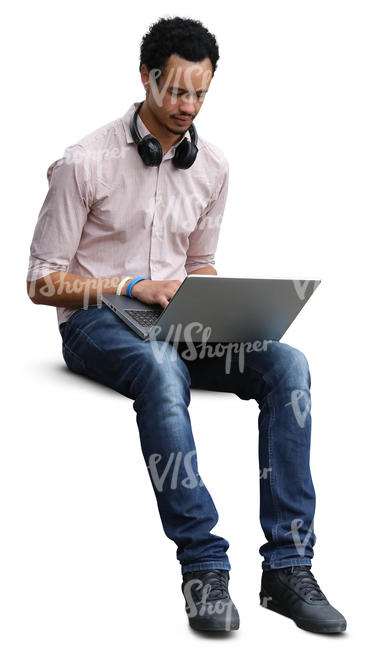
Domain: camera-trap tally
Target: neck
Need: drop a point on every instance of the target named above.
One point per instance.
(165, 137)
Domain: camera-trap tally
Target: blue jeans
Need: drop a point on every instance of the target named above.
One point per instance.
(157, 376)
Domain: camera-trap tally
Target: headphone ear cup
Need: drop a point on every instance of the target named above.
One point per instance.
(185, 154)
(150, 150)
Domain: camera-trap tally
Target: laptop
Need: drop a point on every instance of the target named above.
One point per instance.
(214, 308)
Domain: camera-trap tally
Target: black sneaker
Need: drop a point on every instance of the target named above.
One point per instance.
(208, 604)
(294, 592)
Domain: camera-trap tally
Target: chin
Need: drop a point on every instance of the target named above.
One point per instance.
(177, 131)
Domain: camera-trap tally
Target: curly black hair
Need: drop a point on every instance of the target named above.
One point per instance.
(184, 37)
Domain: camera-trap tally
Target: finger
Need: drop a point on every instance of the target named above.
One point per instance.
(163, 301)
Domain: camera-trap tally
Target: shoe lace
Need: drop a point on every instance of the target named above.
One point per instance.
(304, 578)
(216, 583)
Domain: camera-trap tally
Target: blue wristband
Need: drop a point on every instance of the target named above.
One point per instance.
(128, 290)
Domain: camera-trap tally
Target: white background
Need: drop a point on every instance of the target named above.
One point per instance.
(84, 559)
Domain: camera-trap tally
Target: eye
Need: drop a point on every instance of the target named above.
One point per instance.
(178, 93)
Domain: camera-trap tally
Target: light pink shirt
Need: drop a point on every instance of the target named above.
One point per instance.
(107, 214)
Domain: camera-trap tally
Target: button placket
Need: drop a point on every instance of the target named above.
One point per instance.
(156, 232)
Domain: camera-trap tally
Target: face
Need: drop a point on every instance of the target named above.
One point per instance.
(181, 89)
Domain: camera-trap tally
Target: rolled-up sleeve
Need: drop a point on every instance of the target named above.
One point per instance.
(63, 214)
(204, 239)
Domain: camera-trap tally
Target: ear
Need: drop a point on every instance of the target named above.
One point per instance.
(144, 74)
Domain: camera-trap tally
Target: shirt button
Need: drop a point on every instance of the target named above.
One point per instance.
(154, 267)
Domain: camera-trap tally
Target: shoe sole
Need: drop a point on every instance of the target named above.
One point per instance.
(323, 628)
(208, 625)
(214, 628)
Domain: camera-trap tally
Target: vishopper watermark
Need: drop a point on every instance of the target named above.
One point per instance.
(57, 287)
(301, 544)
(80, 155)
(173, 77)
(190, 353)
(300, 414)
(184, 211)
(190, 481)
(265, 472)
(203, 606)
(301, 287)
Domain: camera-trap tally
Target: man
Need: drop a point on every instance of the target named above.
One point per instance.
(135, 213)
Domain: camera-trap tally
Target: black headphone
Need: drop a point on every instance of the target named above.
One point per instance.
(150, 149)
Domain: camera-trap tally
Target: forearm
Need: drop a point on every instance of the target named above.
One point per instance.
(62, 289)
(205, 270)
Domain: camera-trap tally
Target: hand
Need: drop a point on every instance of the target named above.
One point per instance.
(155, 291)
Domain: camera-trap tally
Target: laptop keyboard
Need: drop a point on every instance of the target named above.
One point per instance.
(145, 317)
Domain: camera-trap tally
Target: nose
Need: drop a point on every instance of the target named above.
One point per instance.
(187, 106)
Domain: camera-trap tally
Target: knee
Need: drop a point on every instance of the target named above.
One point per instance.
(162, 367)
(291, 365)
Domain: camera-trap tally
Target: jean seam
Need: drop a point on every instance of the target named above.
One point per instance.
(94, 373)
(71, 317)
(273, 387)
(272, 474)
(287, 563)
(90, 339)
(200, 566)
(70, 351)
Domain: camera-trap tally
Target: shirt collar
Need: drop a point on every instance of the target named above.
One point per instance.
(143, 129)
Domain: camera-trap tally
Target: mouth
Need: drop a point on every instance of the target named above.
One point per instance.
(182, 120)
